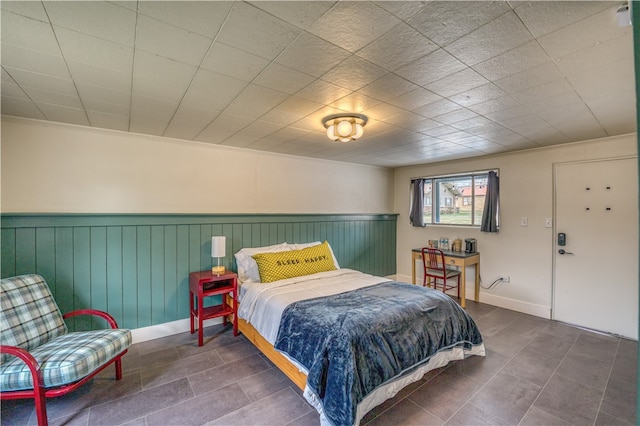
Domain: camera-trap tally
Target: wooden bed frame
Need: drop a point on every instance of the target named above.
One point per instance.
(280, 361)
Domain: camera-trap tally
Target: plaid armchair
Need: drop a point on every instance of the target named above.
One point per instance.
(40, 358)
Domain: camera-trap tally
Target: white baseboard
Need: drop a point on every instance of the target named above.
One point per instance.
(501, 302)
(167, 329)
(516, 305)
(180, 326)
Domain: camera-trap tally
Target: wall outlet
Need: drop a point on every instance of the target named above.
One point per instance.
(505, 278)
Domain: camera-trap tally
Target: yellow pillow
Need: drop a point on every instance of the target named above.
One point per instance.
(294, 263)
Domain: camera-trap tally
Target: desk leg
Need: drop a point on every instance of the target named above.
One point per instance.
(463, 285)
(413, 269)
(477, 267)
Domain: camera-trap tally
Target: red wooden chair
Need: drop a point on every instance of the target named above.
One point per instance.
(436, 271)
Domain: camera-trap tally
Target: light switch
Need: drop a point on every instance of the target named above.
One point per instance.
(548, 223)
(524, 221)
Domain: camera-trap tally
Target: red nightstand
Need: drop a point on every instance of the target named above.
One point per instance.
(204, 284)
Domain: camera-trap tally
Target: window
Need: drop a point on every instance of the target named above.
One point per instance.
(455, 199)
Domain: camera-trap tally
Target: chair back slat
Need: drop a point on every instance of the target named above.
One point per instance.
(29, 316)
(433, 258)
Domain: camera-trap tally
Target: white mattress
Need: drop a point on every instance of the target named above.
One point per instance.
(262, 304)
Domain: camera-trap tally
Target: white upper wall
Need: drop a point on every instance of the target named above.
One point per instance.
(526, 190)
(57, 168)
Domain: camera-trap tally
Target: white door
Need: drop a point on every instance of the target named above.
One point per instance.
(596, 271)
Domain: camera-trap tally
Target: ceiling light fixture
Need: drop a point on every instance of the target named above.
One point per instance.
(345, 127)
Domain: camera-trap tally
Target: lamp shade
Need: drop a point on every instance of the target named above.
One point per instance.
(218, 246)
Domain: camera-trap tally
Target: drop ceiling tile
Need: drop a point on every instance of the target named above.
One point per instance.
(299, 13)
(533, 77)
(211, 91)
(255, 101)
(233, 62)
(53, 98)
(289, 133)
(505, 116)
(494, 105)
(11, 89)
(354, 73)
(520, 59)
(478, 95)
(283, 79)
(313, 122)
(543, 17)
(384, 112)
(84, 74)
(257, 32)
(397, 48)
(405, 119)
(441, 21)
(616, 113)
(201, 17)
(189, 121)
(607, 52)
(323, 92)
(239, 140)
(28, 33)
(498, 36)
(29, 9)
(430, 68)
(109, 121)
(149, 115)
(99, 19)
(456, 116)
(438, 132)
(415, 99)
(223, 127)
(31, 60)
(312, 55)
(459, 82)
(388, 87)
(158, 69)
(583, 34)
(170, 42)
(471, 123)
(106, 107)
(545, 91)
(93, 51)
(64, 114)
(439, 107)
(42, 81)
(265, 144)
(20, 107)
(402, 9)
(353, 25)
(291, 110)
(355, 102)
(91, 94)
(600, 82)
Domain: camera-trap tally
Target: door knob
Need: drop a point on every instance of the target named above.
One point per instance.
(563, 251)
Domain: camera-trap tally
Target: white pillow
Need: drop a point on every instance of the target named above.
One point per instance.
(315, 243)
(247, 267)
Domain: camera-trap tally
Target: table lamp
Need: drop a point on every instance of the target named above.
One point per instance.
(218, 248)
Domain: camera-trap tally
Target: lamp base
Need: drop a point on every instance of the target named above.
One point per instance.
(217, 270)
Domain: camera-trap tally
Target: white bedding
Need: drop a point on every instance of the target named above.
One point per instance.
(262, 304)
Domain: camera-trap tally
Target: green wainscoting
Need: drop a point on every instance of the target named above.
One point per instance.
(137, 267)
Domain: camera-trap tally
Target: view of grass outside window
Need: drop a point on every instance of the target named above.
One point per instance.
(455, 200)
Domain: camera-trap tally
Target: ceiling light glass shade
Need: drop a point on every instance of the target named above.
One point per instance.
(345, 127)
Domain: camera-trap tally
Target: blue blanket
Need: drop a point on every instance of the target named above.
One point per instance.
(353, 342)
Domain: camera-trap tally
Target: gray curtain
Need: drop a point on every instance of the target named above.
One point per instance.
(491, 205)
(416, 214)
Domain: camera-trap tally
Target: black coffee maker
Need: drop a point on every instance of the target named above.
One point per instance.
(470, 245)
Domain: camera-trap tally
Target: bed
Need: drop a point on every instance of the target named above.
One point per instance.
(349, 340)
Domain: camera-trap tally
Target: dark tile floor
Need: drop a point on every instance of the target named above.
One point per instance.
(536, 372)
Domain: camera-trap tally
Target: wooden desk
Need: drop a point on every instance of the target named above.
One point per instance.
(455, 258)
